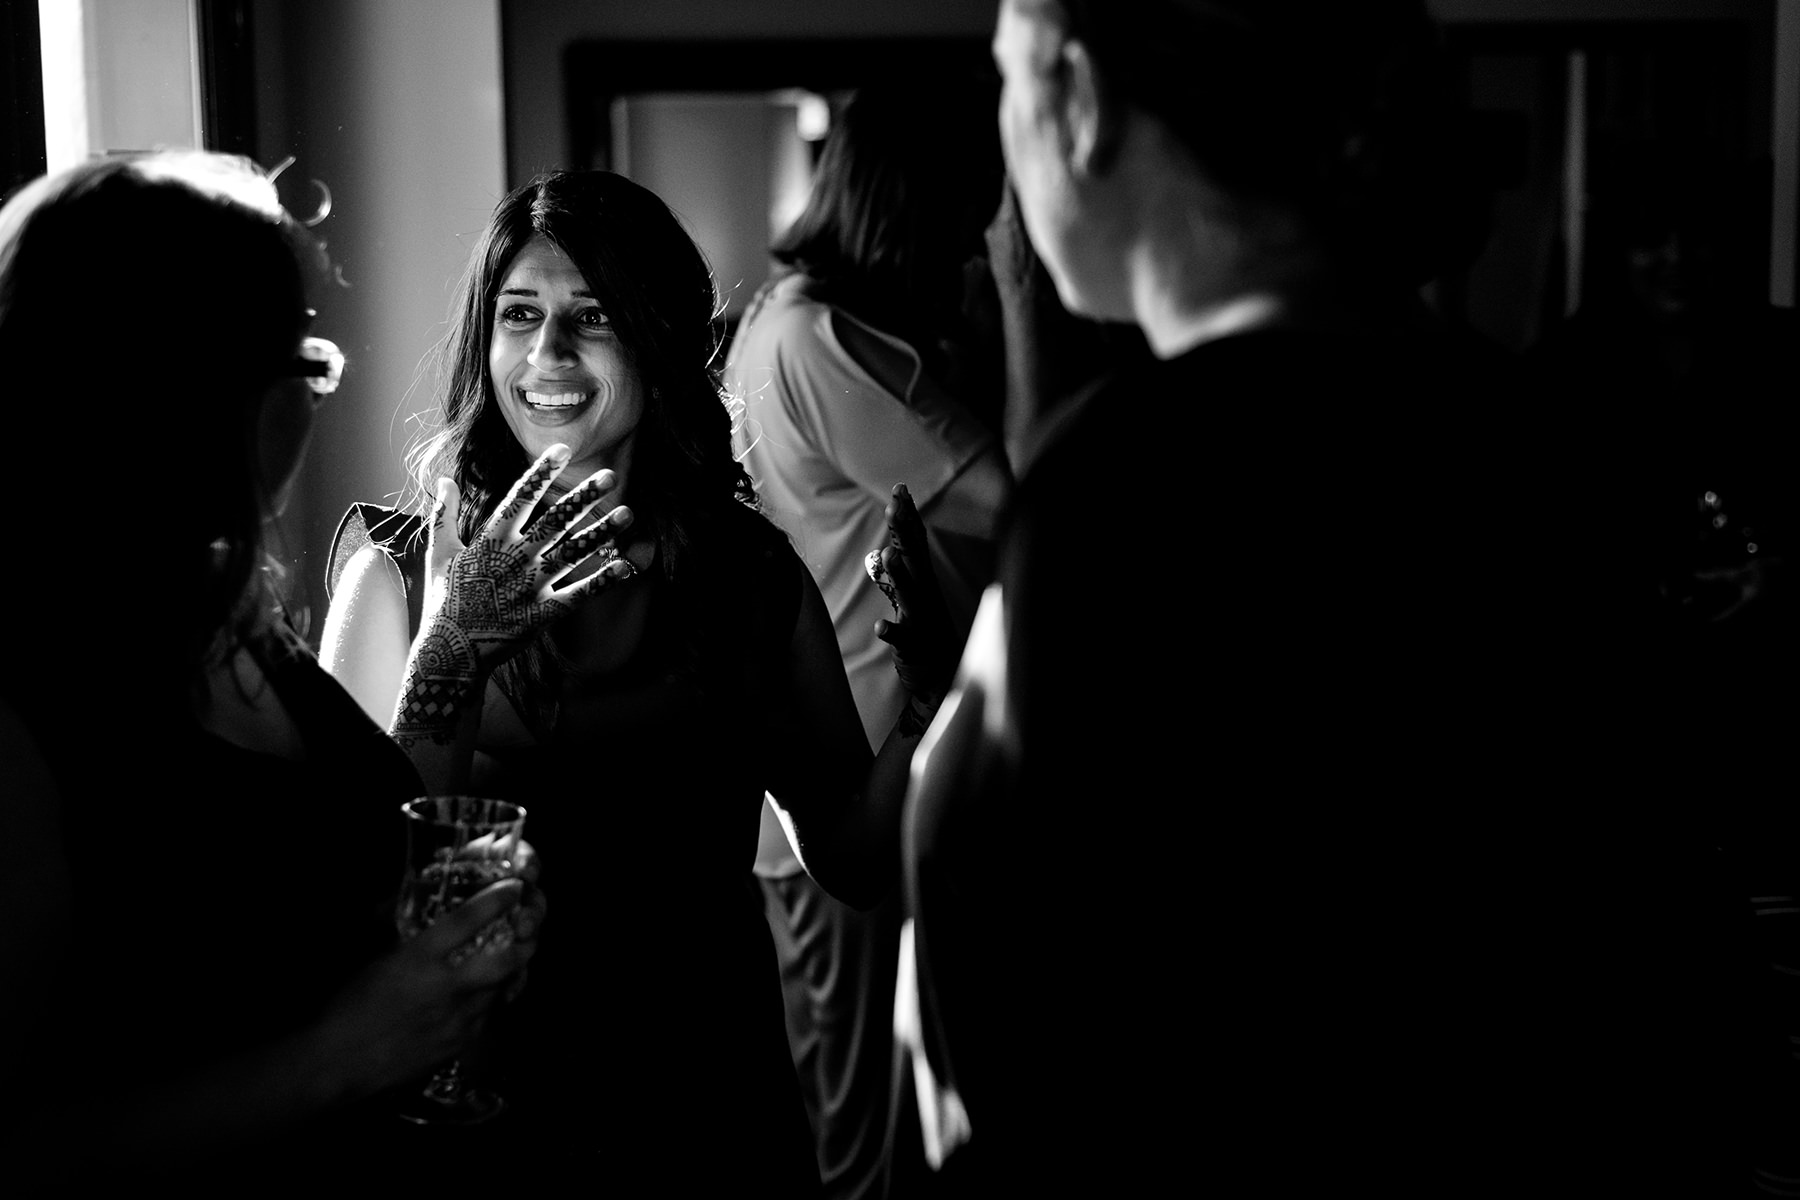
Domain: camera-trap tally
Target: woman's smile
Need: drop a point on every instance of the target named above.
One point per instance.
(562, 400)
(554, 405)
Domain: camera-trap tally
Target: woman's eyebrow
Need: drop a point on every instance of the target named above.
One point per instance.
(579, 293)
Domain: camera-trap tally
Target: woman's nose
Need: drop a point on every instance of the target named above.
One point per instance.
(551, 347)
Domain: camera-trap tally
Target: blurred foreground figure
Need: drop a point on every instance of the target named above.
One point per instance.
(200, 982)
(1300, 821)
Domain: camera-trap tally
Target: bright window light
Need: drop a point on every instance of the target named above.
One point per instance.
(65, 82)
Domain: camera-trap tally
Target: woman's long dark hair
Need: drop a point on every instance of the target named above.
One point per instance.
(909, 178)
(657, 289)
(146, 304)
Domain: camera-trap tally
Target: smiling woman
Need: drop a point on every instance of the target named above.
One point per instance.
(645, 726)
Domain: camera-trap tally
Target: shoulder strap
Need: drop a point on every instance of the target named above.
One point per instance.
(400, 535)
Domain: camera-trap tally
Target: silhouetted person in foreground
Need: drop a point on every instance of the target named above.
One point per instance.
(1305, 816)
(202, 985)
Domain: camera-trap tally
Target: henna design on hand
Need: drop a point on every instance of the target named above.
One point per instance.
(534, 481)
(486, 601)
(441, 676)
(877, 571)
(921, 635)
(479, 602)
(561, 514)
(577, 546)
(475, 598)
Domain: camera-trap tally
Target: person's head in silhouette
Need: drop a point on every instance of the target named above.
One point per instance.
(1183, 163)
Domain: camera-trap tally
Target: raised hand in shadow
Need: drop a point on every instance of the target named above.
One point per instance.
(921, 633)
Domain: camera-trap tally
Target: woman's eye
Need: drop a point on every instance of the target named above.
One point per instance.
(593, 318)
(516, 314)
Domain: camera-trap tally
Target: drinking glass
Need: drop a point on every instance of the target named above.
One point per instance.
(455, 847)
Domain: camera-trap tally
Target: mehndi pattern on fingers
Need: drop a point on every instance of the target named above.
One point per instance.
(573, 548)
(527, 490)
(561, 514)
(878, 572)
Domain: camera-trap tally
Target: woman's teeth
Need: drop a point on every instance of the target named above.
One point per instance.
(559, 400)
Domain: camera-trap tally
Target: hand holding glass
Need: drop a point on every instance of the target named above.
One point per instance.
(455, 847)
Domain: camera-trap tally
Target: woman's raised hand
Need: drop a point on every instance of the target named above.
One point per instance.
(500, 590)
(921, 637)
(485, 601)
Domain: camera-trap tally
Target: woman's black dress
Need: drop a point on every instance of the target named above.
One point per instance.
(650, 1042)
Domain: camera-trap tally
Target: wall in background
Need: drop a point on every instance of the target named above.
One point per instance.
(726, 163)
(395, 106)
(538, 33)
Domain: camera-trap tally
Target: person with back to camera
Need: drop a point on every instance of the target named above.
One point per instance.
(1352, 855)
(647, 727)
(846, 365)
(201, 981)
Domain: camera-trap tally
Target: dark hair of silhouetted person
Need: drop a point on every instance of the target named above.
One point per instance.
(1342, 111)
(147, 303)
